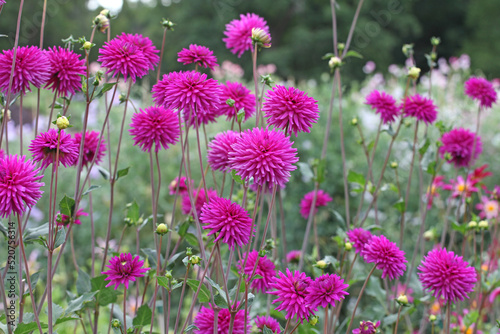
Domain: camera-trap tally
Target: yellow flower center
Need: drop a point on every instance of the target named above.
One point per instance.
(490, 207)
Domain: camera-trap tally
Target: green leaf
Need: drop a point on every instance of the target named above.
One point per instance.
(133, 213)
(92, 187)
(34, 279)
(182, 229)
(143, 317)
(163, 281)
(321, 171)
(67, 206)
(104, 172)
(23, 328)
(57, 311)
(240, 116)
(191, 239)
(328, 56)
(122, 172)
(106, 295)
(424, 147)
(266, 330)
(3, 230)
(105, 88)
(431, 168)
(171, 262)
(34, 233)
(151, 255)
(204, 294)
(236, 178)
(400, 205)
(83, 282)
(190, 328)
(66, 319)
(352, 53)
(217, 287)
(354, 177)
(220, 301)
(459, 228)
(77, 304)
(60, 237)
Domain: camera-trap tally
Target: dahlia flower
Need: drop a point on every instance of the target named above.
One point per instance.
(432, 192)
(145, 45)
(264, 268)
(458, 145)
(290, 109)
(199, 198)
(19, 184)
(90, 148)
(44, 148)
(386, 255)
(293, 256)
(183, 188)
(482, 90)
(243, 99)
(422, 108)
(65, 219)
(447, 275)
(266, 155)
(124, 269)
(461, 187)
(198, 54)
(385, 105)
(480, 173)
(326, 290)
(32, 67)
(204, 320)
(359, 238)
(230, 221)
(66, 67)
(154, 126)
(239, 33)
(201, 116)
(305, 204)
(366, 327)
(292, 291)
(219, 148)
(269, 322)
(488, 207)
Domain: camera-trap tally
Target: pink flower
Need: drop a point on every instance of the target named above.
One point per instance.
(482, 90)
(2, 153)
(219, 148)
(199, 198)
(121, 57)
(432, 192)
(447, 275)
(145, 45)
(124, 269)
(19, 184)
(2, 2)
(90, 147)
(479, 173)
(422, 108)
(32, 67)
(385, 105)
(293, 256)
(326, 290)
(488, 207)
(239, 33)
(292, 291)
(243, 99)
(460, 186)
(44, 148)
(183, 188)
(200, 55)
(359, 238)
(204, 320)
(366, 327)
(264, 268)
(268, 322)
(290, 109)
(66, 69)
(402, 289)
(266, 155)
(386, 255)
(154, 126)
(458, 145)
(305, 204)
(65, 220)
(229, 221)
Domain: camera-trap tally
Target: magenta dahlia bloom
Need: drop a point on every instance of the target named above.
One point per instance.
(66, 68)
(183, 187)
(385, 105)
(90, 148)
(266, 155)
(219, 148)
(199, 199)
(291, 109)
(154, 126)
(386, 255)
(359, 238)
(422, 108)
(269, 322)
(482, 90)
(326, 290)
(122, 57)
(447, 275)
(66, 220)
(292, 291)
(2, 2)
(293, 256)
(264, 268)
(202, 116)
(124, 269)
(2, 153)
(145, 45)
(239, 33)
(19, 184)
(305, 204)
(366, 327)
(198, 54)
(229, 221)
(32, 67)
(458, 145)
(243, 99)
(204, 320)
(44, 148)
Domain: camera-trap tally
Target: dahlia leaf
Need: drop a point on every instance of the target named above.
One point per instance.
(34, 280)
(105, 87)
(391, 319)
(104, 172)
(204, 294)
(182, 229)
(163, 281)
(92, 187)
(23, 328)
(143, 316)
(133, 213)
(34, 233)
(266, 330)
(354, 177)
(236, 178)
(400, 205)
(60, 238)
(191, 239)
(424, 147)
(122, 172)
(83, 282)
(240, 115)
(171, 262)
(190, 328)
(217, 287)
(321, 171)
(459, 228)
(431, 168)
(78, 303)
(352, 53)
(220, 301)
(67, 206)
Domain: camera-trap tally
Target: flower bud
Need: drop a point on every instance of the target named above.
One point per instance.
(334, 62)
(195, 259)
(341, 47)
(106, 13)
(122, 98)
(394, 165)
(189, 251)
(313, 320)
(471, 225)
(174, 281)
(168, 274)
(321, 264)
(162, 229)
(116, 323)
(483, 224)
(87, 45)
(432, 318)
(348, 246)
(3, 113)
(407, 50)
(402, 300)
(62, 122)
(429, 235)
(101, 22)
(167, 24)
(261, 38)
(435, 41)
(414, 72)
(267, 80)
(270, 244)
(354, 121)
(230, 102)
(262, 253)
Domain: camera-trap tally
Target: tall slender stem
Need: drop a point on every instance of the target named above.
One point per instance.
(359, 298)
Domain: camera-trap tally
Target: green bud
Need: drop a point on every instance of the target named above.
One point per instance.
(334, 62)
(270, 244)
(230, 102)
(262, 253)
(87, 45)
(471, 225)
(174, 281)
(122, 98)
(354, 121)
(195, 259)
(408, 50)
(321, 264)
(168, 274)
(347, 246)
(429, 235)
(62, 123)
(414, 72)
(432, 318)
(341, 47)
(313, 320)
(394, 165)
(483, 224)
(116, 323)
(169, 25)
(402, 300)
(435, 41)
(267, 80)
(162, 229)
(189, 251)
(106, 13)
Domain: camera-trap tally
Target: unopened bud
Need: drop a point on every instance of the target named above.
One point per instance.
(334, 62)
(429, 235)
(169, 25)
(348, 246)
(261, 38)
(8, 114)
(195, 259)
(321, 264)
(101, 22)
(313, 320)
(116, 323)
(483, 224)
(106, 13)
(414, 72)
(62, 123)
(407, 50)
(87, 45)
(432, 318)
(189, 251)
(394, 165)
(270, 244)
(262, 253)
(341, 47)
(168, 274)
(354, 121)
(435, 41)
(471, 225)
(402, 300)
(122, 98)
(230, 102)
(162, 229)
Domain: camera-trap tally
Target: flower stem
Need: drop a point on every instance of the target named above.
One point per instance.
(359, 298)
(125, 310)
(397, 320)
